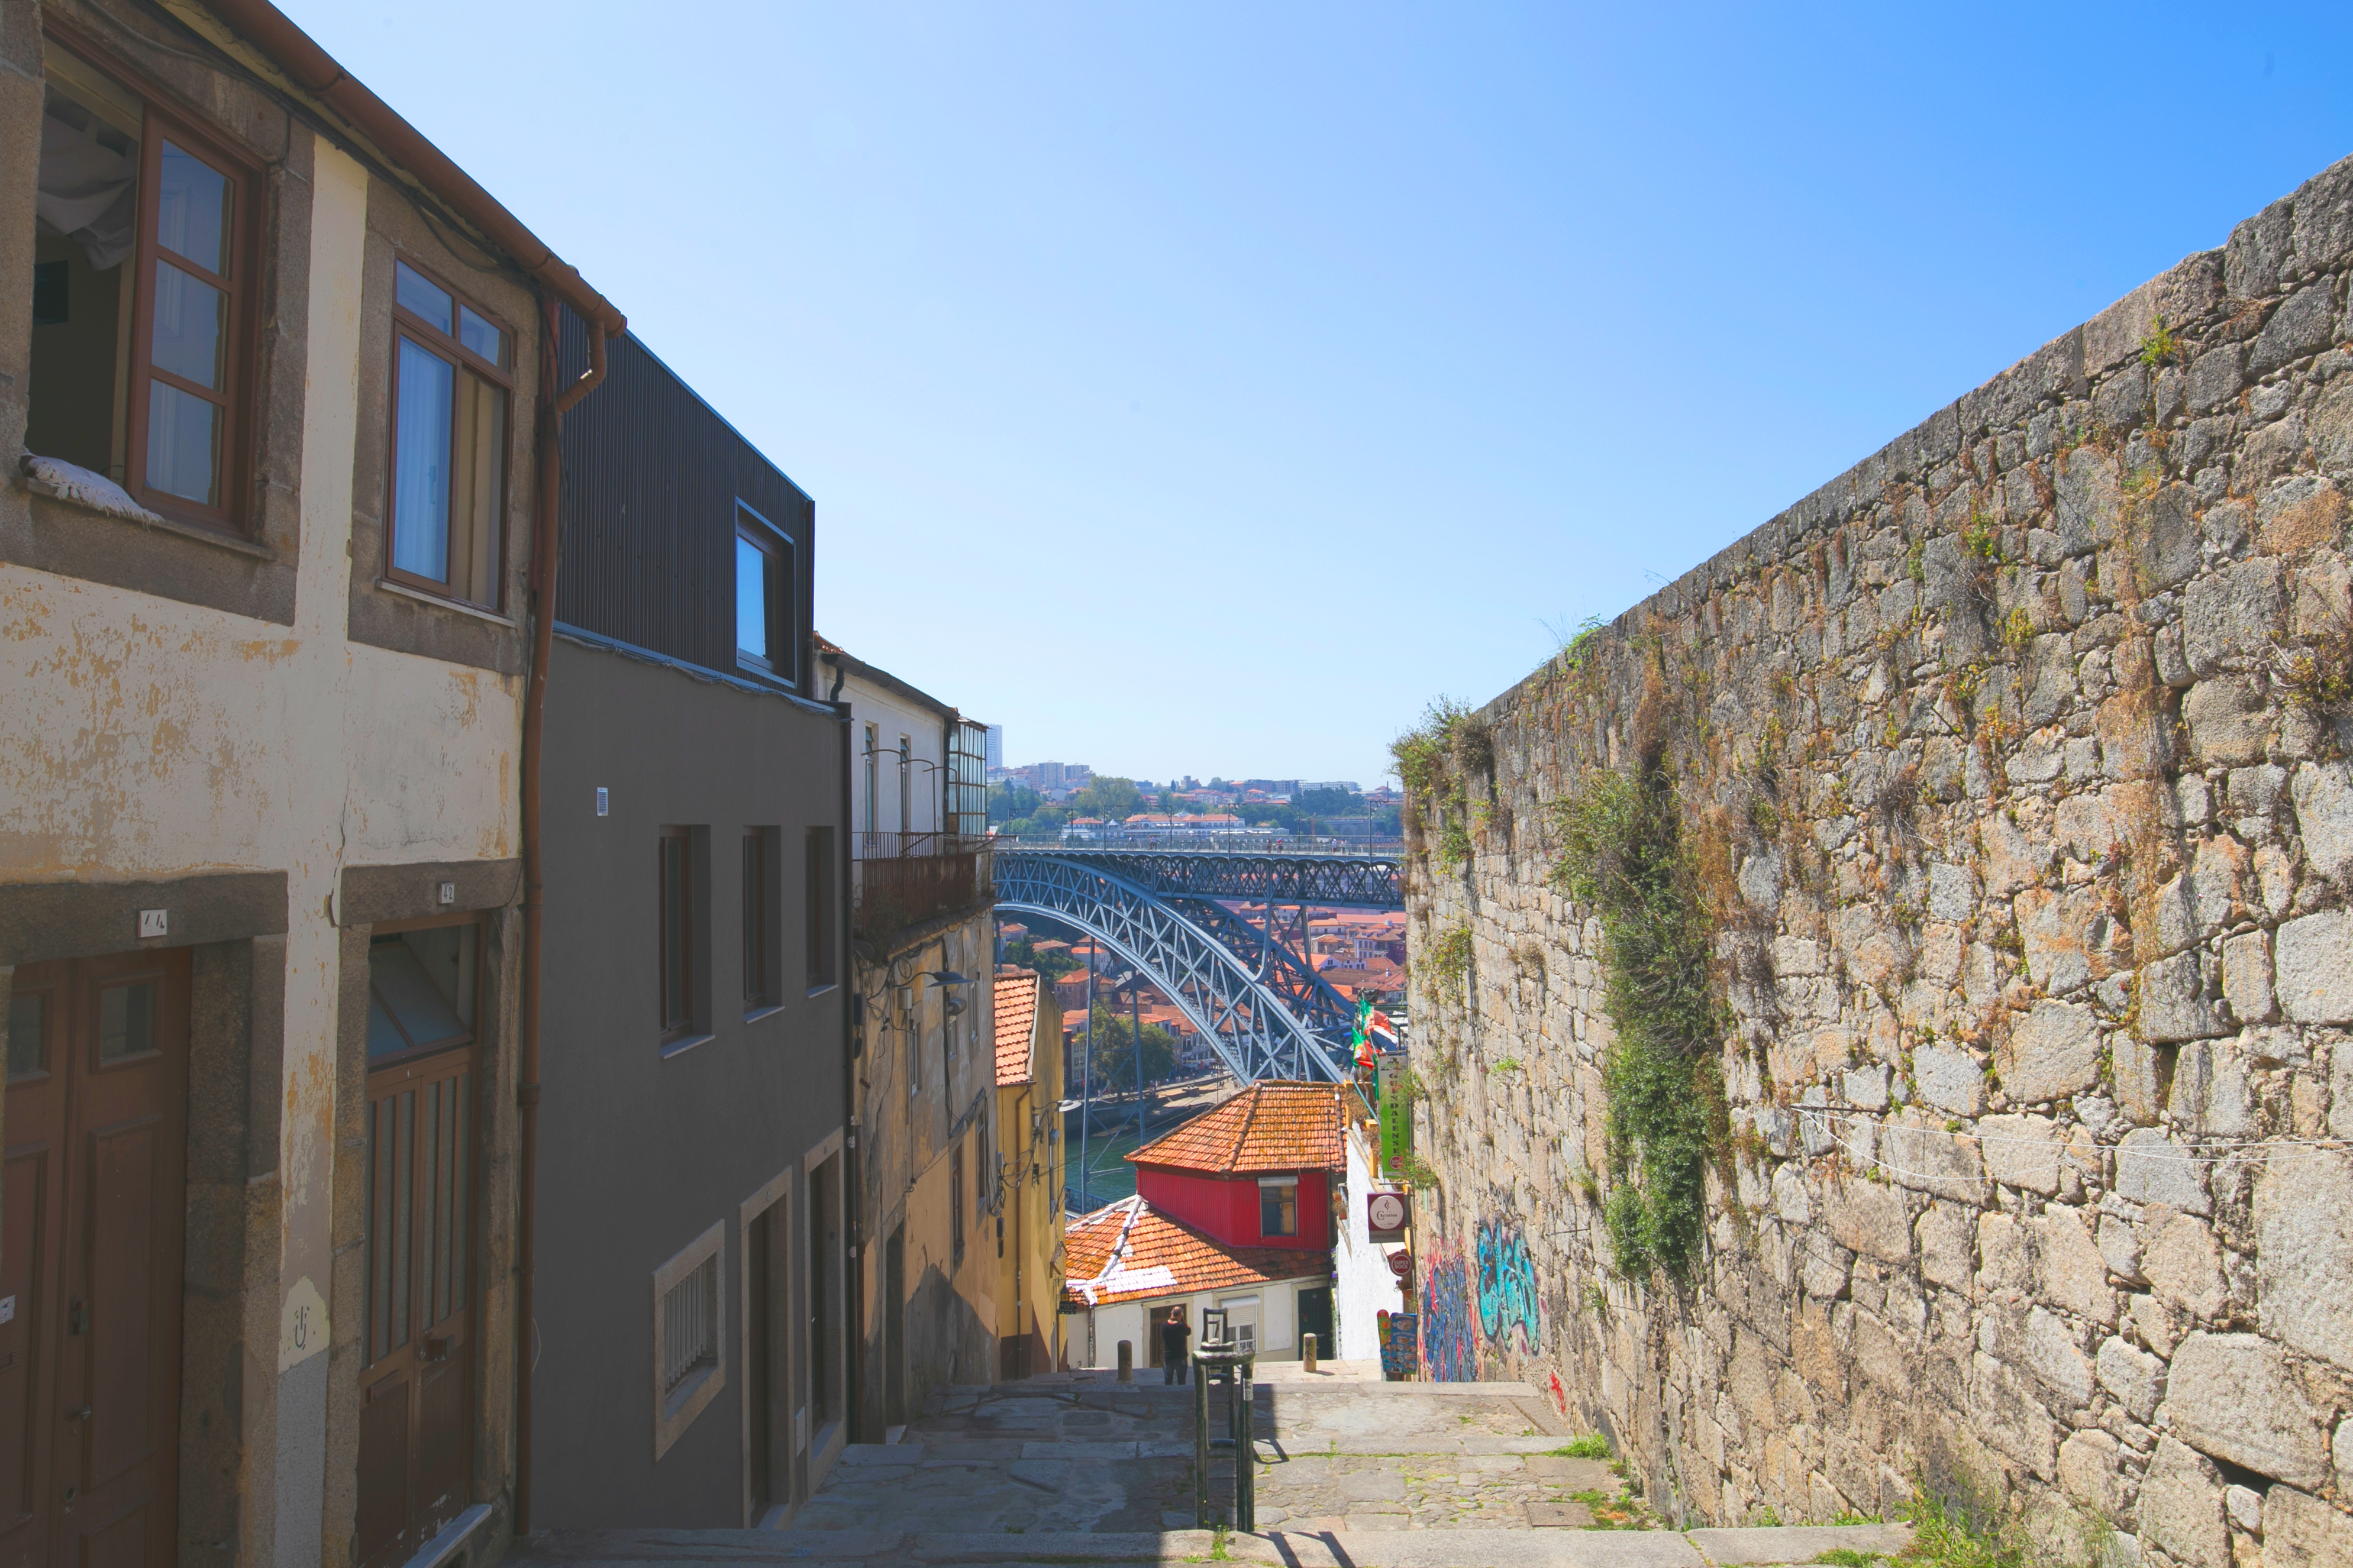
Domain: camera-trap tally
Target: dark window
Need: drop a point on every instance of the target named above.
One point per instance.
(450, 380)
(759, 990)
(765, 636)
(149, 239)
(677, 934)
(1278, 1208)
(955, 1203)
(818, 872)
(825, 1240)
(28, 1034)
(421, 988)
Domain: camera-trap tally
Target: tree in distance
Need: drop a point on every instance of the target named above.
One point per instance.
(1113, 1055)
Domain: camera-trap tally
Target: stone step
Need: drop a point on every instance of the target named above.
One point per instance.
(1781, 1548)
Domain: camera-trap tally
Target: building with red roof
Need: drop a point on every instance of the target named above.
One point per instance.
(1236, 1210)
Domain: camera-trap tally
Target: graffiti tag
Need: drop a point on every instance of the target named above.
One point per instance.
(1450, 1353)
(1507, 1285)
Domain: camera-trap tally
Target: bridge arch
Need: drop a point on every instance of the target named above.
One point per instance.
(1256, 1033)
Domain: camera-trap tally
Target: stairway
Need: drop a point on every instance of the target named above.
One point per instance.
(1076, 1468)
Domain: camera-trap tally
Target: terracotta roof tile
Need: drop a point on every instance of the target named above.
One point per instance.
(1266, 1127)
(1130, 1249)
(1016, 1019)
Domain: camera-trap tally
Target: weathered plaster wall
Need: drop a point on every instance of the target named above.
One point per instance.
(916, 1101)
(2012, 765)
(147, 738)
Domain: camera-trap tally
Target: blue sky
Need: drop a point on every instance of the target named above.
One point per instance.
(1203, 388)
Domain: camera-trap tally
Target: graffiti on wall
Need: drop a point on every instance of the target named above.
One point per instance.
(1450, 1349)
(1507, 1285)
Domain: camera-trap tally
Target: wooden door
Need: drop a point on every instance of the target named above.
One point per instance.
(95, 1233)
(417, 1378)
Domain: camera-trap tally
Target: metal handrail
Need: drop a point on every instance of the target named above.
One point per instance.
(911, 845)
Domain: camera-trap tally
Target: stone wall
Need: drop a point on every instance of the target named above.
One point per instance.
(2012, 768)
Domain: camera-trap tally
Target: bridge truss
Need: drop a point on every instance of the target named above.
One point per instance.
(1245, 1010)
(1358, 881)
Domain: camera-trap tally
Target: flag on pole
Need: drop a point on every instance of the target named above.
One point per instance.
(1378, 1030)
(1360, 1039)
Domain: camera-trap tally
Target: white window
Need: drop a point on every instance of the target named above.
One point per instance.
(907, 785)
(1241, 1321)
(873, 746)
(689, 1336)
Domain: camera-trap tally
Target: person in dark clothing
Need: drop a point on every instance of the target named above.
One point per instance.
(1172, 1335)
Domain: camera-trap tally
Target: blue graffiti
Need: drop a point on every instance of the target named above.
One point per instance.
(1450, 1353)
(1507, 1285)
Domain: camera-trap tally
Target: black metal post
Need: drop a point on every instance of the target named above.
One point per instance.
(1245, 1450)
(1201, 1444)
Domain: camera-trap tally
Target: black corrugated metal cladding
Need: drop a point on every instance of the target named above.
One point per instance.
(651, 476)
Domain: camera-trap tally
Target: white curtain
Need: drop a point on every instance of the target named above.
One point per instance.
(88, 171)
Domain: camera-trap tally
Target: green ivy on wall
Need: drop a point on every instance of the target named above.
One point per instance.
(1624, 858)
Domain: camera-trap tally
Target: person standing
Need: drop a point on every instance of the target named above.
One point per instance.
(1172, 1335)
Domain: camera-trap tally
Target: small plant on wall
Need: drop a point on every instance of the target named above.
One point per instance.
(1448, 959)
(1625, 859)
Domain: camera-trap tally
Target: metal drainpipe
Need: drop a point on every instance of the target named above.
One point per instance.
(534, 721)
(853, 1280)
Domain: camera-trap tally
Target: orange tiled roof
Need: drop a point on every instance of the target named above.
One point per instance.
(1017, 1020)
(1130, 1249)
(1266, 1127)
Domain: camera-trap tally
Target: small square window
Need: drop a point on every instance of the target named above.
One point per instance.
(1278, 1206)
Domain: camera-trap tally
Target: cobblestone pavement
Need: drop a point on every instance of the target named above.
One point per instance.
(1080, 1468)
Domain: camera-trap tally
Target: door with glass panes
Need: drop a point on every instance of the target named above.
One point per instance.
(90, 1249)
(419, 1357)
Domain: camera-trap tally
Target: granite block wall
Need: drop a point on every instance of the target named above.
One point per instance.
(2014, 768)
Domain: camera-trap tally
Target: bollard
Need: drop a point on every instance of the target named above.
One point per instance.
(1200, 1444)
(1307, 1351)
(1245, 1450)
(1126, 1361)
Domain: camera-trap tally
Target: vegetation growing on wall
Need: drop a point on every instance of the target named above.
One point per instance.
(1435, 759)
(1624, 858)
(1449, 957)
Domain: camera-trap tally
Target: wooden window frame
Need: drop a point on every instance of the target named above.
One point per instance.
(762, 958)
(1276, 1186)
(161, 116)
(821, 867)
(955, 1204)
(782, 661)
(434, 340)
(674, 1029)
(675, 1409)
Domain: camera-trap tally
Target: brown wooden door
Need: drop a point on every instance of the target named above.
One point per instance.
(416, 1389)
(90, 1259)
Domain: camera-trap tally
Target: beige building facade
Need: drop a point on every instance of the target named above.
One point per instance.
(263, 568)
(923, 949)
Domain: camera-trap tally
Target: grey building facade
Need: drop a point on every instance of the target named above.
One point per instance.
(691, 1230)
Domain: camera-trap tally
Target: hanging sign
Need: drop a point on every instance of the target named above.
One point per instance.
(1387, 1215)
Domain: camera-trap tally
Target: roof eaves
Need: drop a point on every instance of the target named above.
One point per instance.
(267, 44)
(834, 654)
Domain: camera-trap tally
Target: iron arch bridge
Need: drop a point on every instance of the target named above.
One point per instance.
(1260, 1006)
(1363, 882)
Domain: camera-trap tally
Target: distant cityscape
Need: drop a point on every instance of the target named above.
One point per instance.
(1072, 801)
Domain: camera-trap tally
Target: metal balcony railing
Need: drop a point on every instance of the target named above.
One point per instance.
(901, 879)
